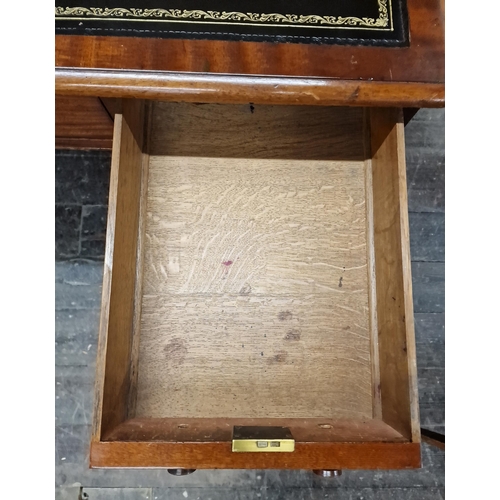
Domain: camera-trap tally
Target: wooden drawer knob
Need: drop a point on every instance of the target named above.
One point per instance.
(327, 473)
(180, 472)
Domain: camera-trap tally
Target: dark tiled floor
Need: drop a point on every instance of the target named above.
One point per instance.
(82, 181)
(82, 185)
(68, 226)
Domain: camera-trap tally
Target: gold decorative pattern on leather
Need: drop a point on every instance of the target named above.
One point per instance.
(383, 22)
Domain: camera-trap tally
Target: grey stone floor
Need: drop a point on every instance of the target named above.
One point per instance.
(78, 286)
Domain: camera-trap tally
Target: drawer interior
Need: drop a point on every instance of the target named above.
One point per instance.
(257, 273)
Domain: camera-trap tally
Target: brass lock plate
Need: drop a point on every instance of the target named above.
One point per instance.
(262, 439)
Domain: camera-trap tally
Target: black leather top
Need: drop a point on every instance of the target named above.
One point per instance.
(352, 22)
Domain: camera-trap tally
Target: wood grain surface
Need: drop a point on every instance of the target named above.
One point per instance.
(396, 336)
(254, 131)
(117, 309)
(372, 281)
(141, 228)
(221, 429)
(218, 455)
(82, 123)
(255, 289)
(240, 89)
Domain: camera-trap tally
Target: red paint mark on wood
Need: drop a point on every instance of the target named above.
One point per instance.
(227, 263)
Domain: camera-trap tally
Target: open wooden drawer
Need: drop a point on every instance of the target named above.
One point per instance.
(257, 273)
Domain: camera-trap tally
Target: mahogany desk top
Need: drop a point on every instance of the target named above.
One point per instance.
(260, 72)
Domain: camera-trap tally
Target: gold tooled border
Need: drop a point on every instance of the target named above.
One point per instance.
(382, 23)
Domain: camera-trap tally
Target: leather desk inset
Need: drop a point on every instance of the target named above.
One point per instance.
(348, 22)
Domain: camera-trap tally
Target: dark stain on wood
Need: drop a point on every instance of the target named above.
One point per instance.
(246, 289)
(206, 66)
(293, 335)
(285, 316)
(176, 351)
(279, 357)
